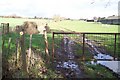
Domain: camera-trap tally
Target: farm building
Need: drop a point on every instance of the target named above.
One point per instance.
(115, 20)
(88, 20)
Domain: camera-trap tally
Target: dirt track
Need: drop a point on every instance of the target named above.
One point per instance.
(65, 62)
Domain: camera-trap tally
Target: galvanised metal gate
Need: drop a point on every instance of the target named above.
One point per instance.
(88, 46)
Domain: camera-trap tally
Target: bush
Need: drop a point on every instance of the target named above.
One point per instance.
(47, 29)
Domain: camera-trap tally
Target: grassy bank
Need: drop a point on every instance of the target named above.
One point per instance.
(39, 45)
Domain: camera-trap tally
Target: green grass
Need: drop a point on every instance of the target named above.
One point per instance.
(38, 44)
(66, 25)
(96, 71)
(18, 21)
(81, 26)
(38, 40)
(78, 26)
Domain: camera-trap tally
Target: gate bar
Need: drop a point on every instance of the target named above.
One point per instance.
(83, 57)
(114, 46)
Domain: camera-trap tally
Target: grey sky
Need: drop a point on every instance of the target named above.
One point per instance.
(66, 8)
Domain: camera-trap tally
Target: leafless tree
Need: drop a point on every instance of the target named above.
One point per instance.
(56, 18)
(106, 5)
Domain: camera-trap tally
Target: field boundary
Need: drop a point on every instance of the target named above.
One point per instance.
(115, 35)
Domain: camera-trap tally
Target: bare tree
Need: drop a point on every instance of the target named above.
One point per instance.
(56, 18)
(106, 5)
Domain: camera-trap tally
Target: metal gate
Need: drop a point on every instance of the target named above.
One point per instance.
(88, 46)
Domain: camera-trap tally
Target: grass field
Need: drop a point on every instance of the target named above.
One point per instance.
(67, 25)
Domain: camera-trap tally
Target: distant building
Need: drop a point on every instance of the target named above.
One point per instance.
(115, 20)
(90, 20)
(82, 19)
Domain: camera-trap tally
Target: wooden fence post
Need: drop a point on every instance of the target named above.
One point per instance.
(18, 51)
(2, 24)
(30, 51)
(46, 44)
(5, 28)
(3, 41)
(9, 45)
(7, 25)
(53, 50)
(24, 64)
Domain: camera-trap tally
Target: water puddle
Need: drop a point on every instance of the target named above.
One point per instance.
(70, 67)
(103, 56)
(97, 54)
(112, 65)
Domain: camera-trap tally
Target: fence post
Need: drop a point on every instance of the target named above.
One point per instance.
(83, 46)
(53, 46)
(46, 45)
(7, 27)
(3, 42)
(24, 64)
(18, 51)
(9, 45)
(114, 45)
(2, 24)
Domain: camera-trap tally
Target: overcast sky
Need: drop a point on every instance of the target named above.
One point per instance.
(66, 8)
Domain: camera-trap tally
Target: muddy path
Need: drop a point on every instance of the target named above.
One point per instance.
(65, 62)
